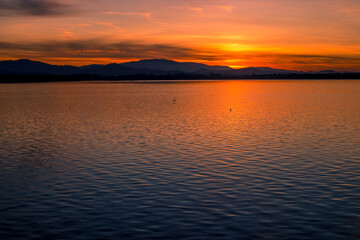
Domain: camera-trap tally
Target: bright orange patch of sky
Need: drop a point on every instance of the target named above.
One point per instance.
(301, 35)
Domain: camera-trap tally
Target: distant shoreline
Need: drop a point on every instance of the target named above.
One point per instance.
(33, 78)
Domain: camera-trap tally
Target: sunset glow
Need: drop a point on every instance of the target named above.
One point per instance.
(299, 35)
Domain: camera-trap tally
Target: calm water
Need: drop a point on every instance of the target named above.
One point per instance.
(125, 161)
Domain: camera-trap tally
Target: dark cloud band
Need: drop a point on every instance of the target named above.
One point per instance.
(34, 7)
(95, 48)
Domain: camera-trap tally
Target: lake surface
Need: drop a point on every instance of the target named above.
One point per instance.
(125, 161)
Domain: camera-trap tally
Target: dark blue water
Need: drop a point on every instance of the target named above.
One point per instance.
(125, 161)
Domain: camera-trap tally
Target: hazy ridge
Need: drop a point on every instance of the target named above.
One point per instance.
(149, 66)
(15, 70)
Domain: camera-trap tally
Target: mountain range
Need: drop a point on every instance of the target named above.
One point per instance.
(147, 67)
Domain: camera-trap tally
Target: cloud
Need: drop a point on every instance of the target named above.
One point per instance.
(110, 25)
(197, 9)
(97, 49)
(34, 7)
(142, 14)
(68, 35)
(319, 59)
(229, 9)
(302, 61)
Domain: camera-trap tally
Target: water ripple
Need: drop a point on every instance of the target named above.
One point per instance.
(125, 162)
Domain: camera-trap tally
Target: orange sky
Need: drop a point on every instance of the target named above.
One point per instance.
(290, 34)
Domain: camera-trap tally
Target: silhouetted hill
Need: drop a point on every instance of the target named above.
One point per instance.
(115, 69)
(258, 71)
(169, 65)
(156, 69)
(327, 71)
(25, 66)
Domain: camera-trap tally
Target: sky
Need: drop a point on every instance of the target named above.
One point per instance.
(288, 34)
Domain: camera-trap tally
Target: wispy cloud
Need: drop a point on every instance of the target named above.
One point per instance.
(142, 14)
(68, 35)
(301, 61)
(228, 9)
(197, 9)
(34, 7)
(95, 49)
(109, 24)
